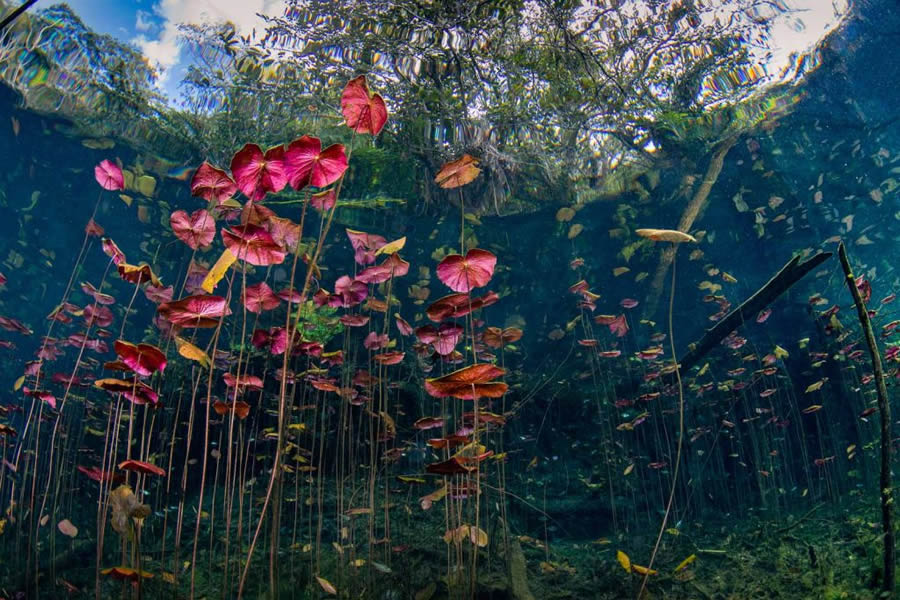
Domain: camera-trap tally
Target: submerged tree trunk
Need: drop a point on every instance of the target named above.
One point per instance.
(789, 274)
(884, 410)
(691, 211)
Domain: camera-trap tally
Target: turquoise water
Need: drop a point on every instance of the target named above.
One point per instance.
(468, 219)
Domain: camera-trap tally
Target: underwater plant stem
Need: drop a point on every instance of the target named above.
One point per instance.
(665, 520)
(884, 413)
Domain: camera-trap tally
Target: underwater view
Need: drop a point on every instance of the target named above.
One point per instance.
(445, 300)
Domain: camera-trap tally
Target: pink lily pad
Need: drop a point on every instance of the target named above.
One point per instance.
(463, 274)
(212, 184)
(196, 230)
(306, 163)
(109, 176)
(364, 112)
(256, 174)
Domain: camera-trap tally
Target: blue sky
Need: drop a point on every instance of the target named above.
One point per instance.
(151, 25)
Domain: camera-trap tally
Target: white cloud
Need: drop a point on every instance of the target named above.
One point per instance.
(142, 21)
(163, 49)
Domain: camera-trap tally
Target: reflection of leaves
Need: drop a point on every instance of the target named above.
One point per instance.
(126, 506)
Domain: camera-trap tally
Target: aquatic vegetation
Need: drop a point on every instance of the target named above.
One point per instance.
(334, 351)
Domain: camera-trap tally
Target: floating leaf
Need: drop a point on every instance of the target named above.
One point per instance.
(143, 359)
(257, 174)
(212, 184)
(363, 112)
(326, 585)
(623, 560)
(109, 176)
(392, 247)
(191, 352)
(253, 244)
(196, 230)
(684, 564)
(458, 172)
(66, 528)
(218, 271)
(144, 468)
(468, 383)
(195, 311)
(305, 163)
(462, 274)
(666, 235)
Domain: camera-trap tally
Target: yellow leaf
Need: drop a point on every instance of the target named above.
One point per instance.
(478, 536)
(629, 469)
(643, 570)
(623, 560)
(18, 384)
(218, 271)
(326, 585)
(728, 278)
(684, 564)
(392, 247)
(780, 352)
(191, 352)
(620, 271)
(815, 386)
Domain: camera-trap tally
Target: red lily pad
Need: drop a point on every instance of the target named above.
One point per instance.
(135, 391)
(275, 339)
(496, 337)
(10, 324)
(354, 320)
(142, 467)
(390, 358)
(138, 274)
(196, 230)
(195, 311)
(443, 339)
(143, 359)
(458, 305)
(284, 232)
(363, 112)
(97, 295)
(112, 251)
(323, 201)
(392, 266)
(450, 467)
(364, 246)
(249, 381)
(99, 475)
(241, 409)
(253, 244)
(256, 174)
(305, 163)
(468, 383)
(402, 325)
(260, 297)
(109, 176)
(426, 423)
(93, 228)
(462, 274)
(126, 574)
(212, 184)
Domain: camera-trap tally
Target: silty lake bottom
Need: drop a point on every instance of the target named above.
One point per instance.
(450, 300)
